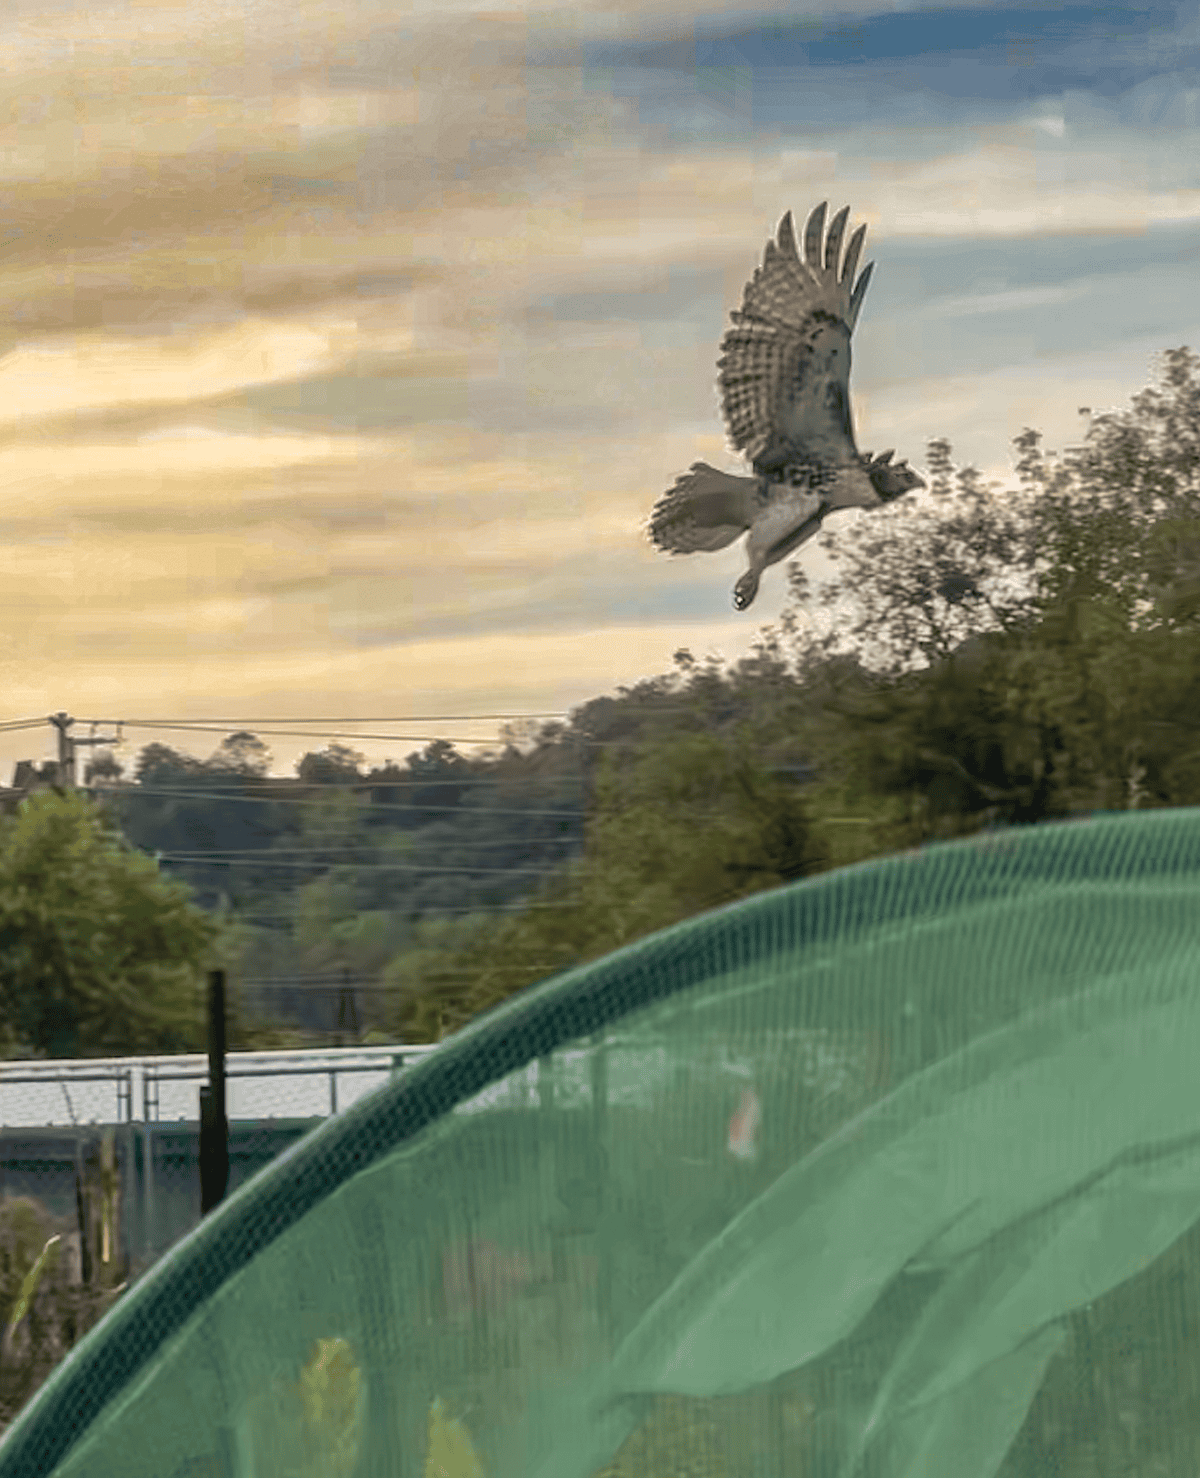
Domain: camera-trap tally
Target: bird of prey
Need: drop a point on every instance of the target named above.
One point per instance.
(784, 376)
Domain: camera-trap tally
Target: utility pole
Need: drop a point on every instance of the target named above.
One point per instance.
(68, 744)
(214, 1125)
(66, 750)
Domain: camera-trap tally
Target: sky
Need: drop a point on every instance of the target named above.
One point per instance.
(344, 348)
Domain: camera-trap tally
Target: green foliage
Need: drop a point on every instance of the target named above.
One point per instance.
(45, 1308)
(1079, 714)
(98, 953)
(994, 656)
(1105, 514)
(679, 825)
(1116, 519)
(691, 824)
(47, 1258)
(242, 753)
(918, 578)
(336, 764)
(1032, 655)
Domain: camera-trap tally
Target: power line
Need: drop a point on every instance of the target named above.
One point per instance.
(326, 846)
(119, 792)
(452, 739)
(301, 853)
(229, 859)
(264, 728)
(404, 718)
(371, 985)
(334, 848)
(319, 734)
(235, 724)
(293, 916)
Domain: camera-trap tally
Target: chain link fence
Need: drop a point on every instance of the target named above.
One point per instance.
(99, 1174)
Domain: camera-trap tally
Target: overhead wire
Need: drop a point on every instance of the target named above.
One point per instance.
(267, 860)
(466, 844)
(327, 734)
(271, 727)
(235, 724)
(119, 792)
(373, 983)
(403, 718)
(253, 857)
(483, 909)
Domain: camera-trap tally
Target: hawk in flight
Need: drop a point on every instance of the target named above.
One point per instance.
(784, 375)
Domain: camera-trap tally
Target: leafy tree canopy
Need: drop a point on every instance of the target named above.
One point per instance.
(1117, 518)
(243, 752)
(1039, 649)
(679, 825)
(996, 656)
(336, 764)
(98, 953)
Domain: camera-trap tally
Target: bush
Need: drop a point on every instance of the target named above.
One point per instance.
(59, 1309)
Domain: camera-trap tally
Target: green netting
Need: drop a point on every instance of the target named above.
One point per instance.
(895, 1171)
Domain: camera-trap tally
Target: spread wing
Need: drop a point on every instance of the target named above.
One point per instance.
(784, 370)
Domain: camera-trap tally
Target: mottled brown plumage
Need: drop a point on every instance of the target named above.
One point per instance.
(784, 376)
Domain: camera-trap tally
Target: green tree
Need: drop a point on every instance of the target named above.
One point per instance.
(159, 764)
(103, 766)
(1032, 653)
(98, 953)
(1082, 713)
(1116, 518)
(922, 576)
(679, 826)
(243, 752)
(336, 764)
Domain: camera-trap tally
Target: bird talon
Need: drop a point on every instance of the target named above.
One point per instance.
(784, 372)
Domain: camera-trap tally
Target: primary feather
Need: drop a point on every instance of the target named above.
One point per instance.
(784, 377)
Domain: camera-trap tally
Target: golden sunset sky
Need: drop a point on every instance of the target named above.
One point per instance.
(347, 346)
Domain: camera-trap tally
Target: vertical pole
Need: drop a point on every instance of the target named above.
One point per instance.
(83, 1219)
(214, 1125)
(600, 1131)
(62, 721)
(347, 1008)
(149, 1086)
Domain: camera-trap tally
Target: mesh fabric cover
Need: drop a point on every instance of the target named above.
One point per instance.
(895, 1171)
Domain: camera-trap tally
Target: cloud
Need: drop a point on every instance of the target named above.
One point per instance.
(348, 350)
(49, 379)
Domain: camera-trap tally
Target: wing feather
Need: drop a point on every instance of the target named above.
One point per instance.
(784, 370)
(860, 291)
(812, 236)
(833, 242)
(853, 251)
(706, 510)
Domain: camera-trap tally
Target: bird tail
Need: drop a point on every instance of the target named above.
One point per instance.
(704, 511)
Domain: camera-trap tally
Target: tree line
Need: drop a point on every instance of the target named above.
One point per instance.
(984, 656)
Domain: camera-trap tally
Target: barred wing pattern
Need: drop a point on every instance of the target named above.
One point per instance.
(784, 375)
(705, 511)
(784, 370)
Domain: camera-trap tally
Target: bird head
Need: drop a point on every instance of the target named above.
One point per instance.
(890, 481)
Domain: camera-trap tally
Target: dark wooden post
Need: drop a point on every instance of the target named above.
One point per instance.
(214, 1126)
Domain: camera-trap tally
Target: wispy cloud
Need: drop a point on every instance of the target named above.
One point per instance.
(347, 350)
